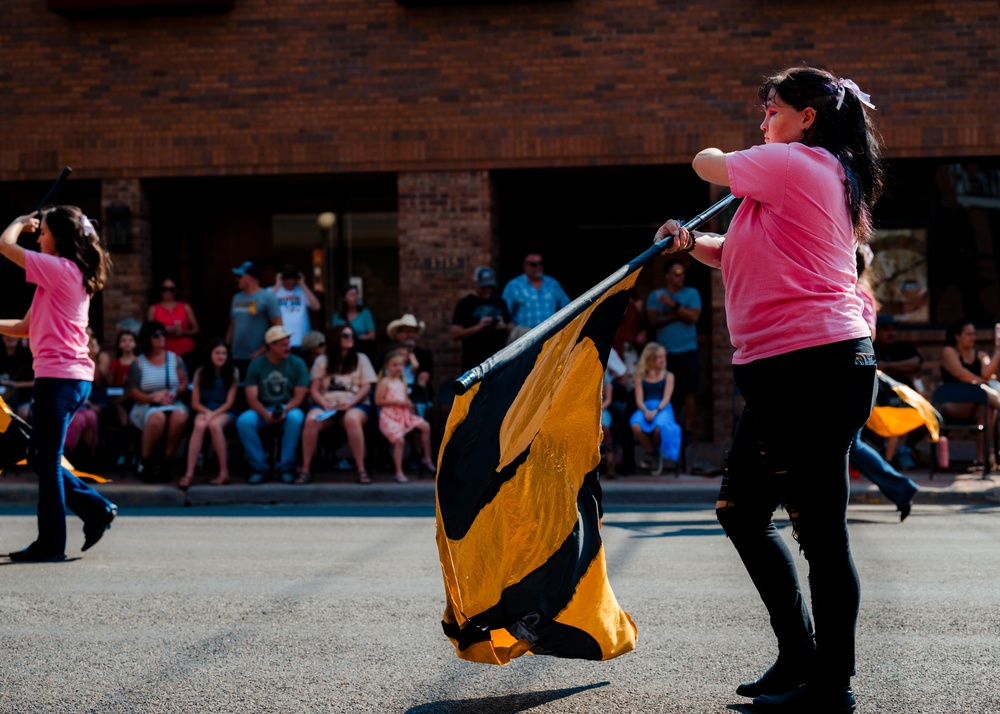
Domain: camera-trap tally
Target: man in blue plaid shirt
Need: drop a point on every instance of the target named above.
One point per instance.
(532, 297)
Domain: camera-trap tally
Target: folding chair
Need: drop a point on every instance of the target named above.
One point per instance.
(953, 393)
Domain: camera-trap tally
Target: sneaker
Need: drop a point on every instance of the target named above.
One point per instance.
(255, 479)
(288, 478)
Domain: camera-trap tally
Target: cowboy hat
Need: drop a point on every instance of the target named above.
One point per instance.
(405, 321)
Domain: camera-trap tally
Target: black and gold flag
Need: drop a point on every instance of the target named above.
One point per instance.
(519, 502)
(899, 409)
(518, 496)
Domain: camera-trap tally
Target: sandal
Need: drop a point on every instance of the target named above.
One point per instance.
(220, 480)
(430, 466)
(303, 477)
(185, 483)
(401, 478)
(363, 477)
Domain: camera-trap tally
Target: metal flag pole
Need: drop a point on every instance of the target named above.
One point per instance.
(562, 318)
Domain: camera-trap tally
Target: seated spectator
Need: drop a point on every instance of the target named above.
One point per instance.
(17, 375)
(653, 423)
(213, 397)
(313, 345)
(179, 319)
(276, 386)
(961, 362)
(612, 411)
(397, 414)
(82, 432)
(359, 318)
(897, 358)
(295, 300)
(607, 436)
(632, 333)
(419, 365)
(155, 381)
(340, 386)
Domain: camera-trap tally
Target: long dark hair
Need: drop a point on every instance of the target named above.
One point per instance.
(954, 330)
(227, 371)
(848, 133)
(337, 364)
(343, 303)
(72, 242)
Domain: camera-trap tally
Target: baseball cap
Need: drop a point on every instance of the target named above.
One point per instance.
(275, 333)
(485, 277)
(248, 268)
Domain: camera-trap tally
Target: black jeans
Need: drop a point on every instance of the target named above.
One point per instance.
(791, 447)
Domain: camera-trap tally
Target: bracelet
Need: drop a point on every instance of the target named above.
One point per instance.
(694, 244)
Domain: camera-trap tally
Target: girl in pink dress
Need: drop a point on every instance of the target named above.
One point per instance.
(396, 418)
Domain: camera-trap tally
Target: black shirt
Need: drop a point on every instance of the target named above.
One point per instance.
(485, 343)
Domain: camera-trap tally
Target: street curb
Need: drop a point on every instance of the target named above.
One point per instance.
(685, 490)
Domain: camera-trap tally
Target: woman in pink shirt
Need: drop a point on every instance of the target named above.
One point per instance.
(68, 270)
(788, 265)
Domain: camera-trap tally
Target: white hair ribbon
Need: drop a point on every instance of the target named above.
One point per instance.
(843, 85)
(88, 227)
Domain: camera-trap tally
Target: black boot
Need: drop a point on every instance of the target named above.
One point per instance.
(790, 670)
(815, 697)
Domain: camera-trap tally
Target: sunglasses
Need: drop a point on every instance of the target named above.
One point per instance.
(533, 262)
(321, 344)
(347, 335)
(158, 333)
(168, 289)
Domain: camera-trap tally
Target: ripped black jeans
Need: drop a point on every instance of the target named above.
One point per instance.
(790, 448)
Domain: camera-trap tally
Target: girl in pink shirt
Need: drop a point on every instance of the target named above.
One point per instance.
(788, 265)
(68, 270)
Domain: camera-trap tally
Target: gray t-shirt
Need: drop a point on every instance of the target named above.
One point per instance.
(251, 316)
(276, 383)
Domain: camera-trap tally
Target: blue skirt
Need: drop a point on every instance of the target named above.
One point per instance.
(670, 432)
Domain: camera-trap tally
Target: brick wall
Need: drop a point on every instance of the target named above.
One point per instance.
(318, 86)
(447, 228)
(127, 293)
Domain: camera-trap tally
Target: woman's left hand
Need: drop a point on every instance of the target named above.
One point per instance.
(682, 238)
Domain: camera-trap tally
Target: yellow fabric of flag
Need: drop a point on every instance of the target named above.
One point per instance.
(900, 409)
(519, 501)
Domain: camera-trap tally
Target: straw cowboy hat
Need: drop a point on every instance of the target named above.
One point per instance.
(405, 321)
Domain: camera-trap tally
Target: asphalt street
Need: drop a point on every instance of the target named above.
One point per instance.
(337, 609)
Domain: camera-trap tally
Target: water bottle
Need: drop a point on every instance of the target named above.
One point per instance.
(942, 447)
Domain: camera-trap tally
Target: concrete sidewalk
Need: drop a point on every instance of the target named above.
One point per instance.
(339, 489)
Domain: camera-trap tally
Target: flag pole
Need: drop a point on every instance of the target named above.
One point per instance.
(562, 318)
(62, 177)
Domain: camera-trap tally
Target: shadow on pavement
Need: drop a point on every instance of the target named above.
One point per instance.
(509, 703)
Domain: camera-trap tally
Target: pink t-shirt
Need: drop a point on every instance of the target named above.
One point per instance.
(868, 310)
(60, 311)
(788, 261)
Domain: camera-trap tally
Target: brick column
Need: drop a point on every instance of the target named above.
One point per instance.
(447, 227)
(127, 293)
(724, 399)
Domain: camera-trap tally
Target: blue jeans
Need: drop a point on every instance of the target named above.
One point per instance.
(250, 424)
(791, 448)
(56, 401)
(893, 485)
